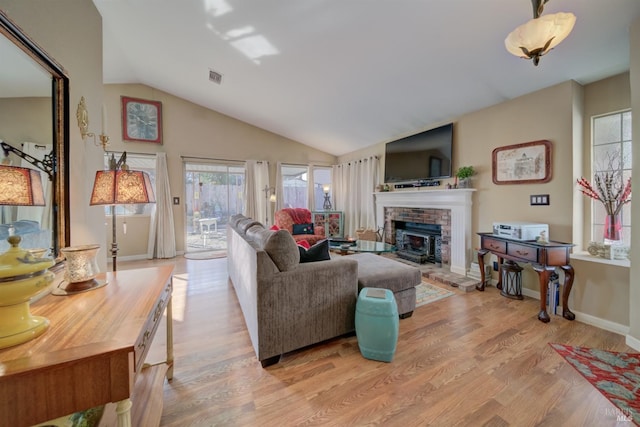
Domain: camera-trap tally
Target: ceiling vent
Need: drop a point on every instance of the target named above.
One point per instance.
(215, 77)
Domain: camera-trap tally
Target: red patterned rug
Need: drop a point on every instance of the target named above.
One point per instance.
(615, 375)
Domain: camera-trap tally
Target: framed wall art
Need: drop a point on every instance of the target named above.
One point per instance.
(527, 163)
(141, 120)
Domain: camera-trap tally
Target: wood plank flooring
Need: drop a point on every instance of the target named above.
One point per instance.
(473, 359)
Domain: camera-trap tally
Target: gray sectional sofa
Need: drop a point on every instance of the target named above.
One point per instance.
(286, 304)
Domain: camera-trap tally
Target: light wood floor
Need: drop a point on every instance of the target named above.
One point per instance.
(475, 359)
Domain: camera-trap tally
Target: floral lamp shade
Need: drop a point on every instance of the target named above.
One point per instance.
(122, 187)
(20, 187)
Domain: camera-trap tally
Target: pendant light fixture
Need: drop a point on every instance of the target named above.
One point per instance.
(541, 34)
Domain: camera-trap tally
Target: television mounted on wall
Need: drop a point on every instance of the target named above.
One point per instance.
(420, 157)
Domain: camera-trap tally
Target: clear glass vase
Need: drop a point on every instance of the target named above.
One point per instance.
(613, 230)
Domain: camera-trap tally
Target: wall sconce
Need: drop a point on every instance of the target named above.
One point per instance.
(541, 34)
(269, 196)
(82, 115)
(327, 199)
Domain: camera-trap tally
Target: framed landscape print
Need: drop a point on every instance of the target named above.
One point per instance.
(141, 120)
(527, 163)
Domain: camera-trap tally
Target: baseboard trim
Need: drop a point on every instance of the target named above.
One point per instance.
(136, 257)
(589, 319)
(632, 342)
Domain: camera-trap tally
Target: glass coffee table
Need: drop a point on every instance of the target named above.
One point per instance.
(360, 246)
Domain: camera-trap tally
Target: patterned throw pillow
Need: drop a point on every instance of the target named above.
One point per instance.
(302, 228)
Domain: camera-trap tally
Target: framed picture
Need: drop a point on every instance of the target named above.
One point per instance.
(527, 163)
(141, 120)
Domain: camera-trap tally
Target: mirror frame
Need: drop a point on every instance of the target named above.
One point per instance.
(60, 138)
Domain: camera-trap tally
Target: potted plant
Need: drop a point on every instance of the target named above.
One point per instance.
(463, 174)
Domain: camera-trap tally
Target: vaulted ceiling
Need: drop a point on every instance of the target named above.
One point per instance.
(341, 75)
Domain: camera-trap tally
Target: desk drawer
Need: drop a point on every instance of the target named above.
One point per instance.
(523, 252)
(143, 343)
(494, 245)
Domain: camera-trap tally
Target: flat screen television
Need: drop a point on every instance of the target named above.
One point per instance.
(423, 156)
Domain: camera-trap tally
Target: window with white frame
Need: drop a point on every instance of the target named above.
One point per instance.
(294, 184)
(321, 181)
(611, 160)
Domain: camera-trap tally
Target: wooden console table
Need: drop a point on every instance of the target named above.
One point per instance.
(91, 354)
(544, 258)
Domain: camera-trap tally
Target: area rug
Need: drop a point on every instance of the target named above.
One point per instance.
(206, 255)
(427, 293)
(615, 375)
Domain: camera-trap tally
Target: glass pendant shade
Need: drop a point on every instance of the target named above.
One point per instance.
(538, 36)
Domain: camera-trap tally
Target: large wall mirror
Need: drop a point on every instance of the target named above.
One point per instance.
(34, 124)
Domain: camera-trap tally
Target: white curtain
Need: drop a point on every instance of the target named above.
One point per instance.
(354, 183)
(257, 179)
(41, 214)
(311, 199)
(162, 238)
(279, 188)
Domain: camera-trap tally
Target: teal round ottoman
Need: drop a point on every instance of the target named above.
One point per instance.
(377, 324)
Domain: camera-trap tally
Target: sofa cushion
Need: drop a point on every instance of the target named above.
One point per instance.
(281, 248)
(243, 226)
(317, 252)
(303, 228)
(254, 232)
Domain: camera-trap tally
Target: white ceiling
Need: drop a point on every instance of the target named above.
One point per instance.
(346, 74)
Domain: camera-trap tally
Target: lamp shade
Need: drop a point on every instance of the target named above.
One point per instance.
(540, 35)
(20, 186)
(122, 187)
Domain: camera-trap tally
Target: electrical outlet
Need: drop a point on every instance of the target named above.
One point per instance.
(495, 265)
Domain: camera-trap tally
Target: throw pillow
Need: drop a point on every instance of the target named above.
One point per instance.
(274, 227)
(317, 252)
(303, 243)
(302, 228)
(281, 248)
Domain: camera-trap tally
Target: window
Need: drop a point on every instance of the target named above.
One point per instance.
(139, 162)
(611, 155)
(294, 184)
(321, 178)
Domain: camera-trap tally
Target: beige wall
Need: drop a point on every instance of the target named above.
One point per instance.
(25, 120)
(71, 32)
(556, 114)
(194, 131)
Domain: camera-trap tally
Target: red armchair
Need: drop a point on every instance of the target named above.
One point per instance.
(301, 217)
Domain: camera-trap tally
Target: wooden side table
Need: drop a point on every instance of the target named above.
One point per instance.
(543, 257)
(92, 353)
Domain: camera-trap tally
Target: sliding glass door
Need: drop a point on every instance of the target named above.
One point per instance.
(213, 192)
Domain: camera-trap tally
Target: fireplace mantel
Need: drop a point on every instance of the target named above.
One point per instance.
(458, 201)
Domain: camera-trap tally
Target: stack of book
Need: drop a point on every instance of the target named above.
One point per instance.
(474, 272)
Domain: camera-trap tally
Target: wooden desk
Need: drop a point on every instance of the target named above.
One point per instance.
(544, 258)
(91, 353)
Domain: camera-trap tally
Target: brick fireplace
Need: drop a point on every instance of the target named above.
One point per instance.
(416, 224)
(451, 209)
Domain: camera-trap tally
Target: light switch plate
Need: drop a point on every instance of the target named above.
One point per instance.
(539, 200)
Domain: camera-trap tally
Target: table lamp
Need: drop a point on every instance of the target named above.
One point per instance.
(120, 186)
(22, 276)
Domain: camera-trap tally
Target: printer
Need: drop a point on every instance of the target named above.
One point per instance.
(520, 230)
